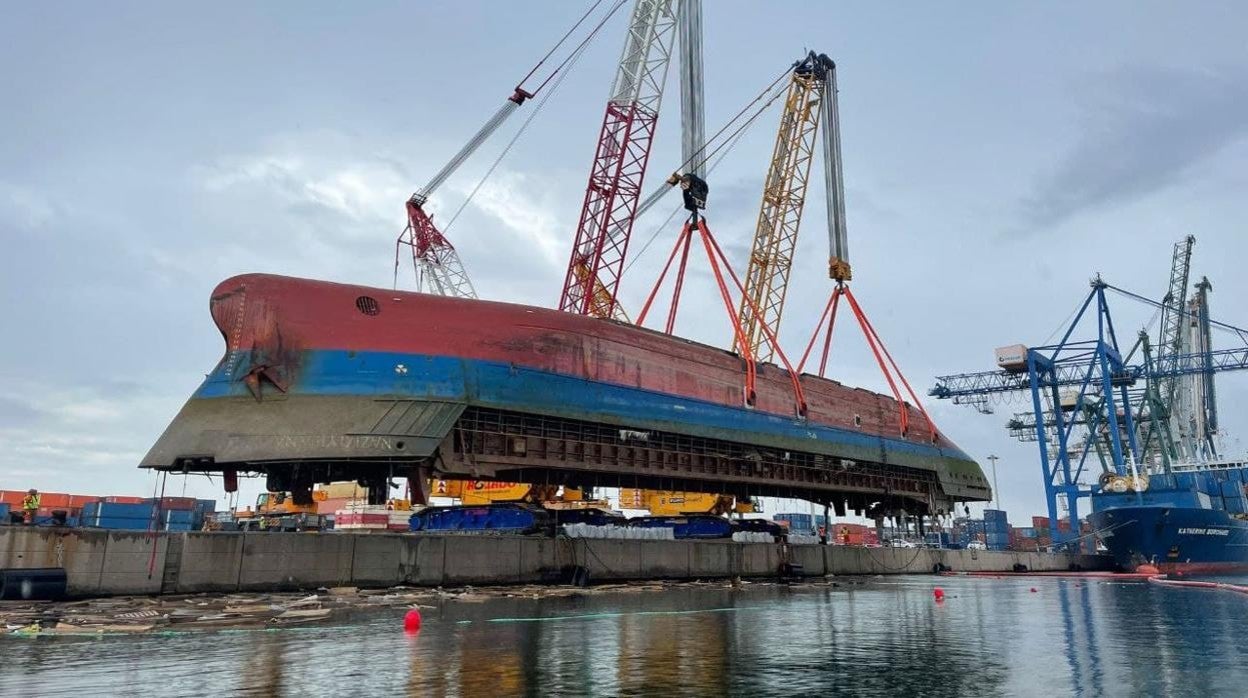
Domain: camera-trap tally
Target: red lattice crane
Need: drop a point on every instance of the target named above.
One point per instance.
(592, 281)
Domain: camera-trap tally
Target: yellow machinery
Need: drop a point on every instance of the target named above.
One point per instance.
(482, 492)
(670, 503)
(279, 504)
(657, 502)
(282, 504)
(351, 490)
(811, 99)
(602, 304)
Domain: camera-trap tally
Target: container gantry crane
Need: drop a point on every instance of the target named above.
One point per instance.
(591, 284)
(1085, 398)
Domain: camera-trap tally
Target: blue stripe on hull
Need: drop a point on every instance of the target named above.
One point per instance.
(503, 386)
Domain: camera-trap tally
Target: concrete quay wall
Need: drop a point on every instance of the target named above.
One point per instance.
(101, 563)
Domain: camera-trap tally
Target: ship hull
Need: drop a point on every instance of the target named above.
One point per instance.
(316, 372)
(1185, 540)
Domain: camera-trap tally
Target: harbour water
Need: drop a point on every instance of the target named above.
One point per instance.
(880, 636)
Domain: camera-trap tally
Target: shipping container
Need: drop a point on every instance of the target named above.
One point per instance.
(798, 522)
(187, 503)
(4, 513)
(1012, 358)
(176, 519)
(132, 517)
(120, 499)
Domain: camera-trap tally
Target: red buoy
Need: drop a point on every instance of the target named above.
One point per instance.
(1033, 590)
(411, 621)
(939, 594)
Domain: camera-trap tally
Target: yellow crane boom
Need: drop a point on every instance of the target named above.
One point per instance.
(784, 196)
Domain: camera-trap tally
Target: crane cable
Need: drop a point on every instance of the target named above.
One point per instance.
(768, 96)
(761, 95)
(513, 102)
(1213, 324)
(660, 192)
(575, 52)
(523, 127)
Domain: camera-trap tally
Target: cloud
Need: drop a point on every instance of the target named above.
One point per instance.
(1143, 128)
(58, 438)
(24, 206)
(358, 190)
(521, 202)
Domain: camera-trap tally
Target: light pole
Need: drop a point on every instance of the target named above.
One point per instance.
(995, 496)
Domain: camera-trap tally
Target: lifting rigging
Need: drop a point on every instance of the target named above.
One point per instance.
(810, 105)
(635, 103)
(613, 202)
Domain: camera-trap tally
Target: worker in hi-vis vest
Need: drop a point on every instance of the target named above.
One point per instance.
(30, 505)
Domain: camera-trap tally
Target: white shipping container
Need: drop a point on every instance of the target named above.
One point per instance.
(1012, 358)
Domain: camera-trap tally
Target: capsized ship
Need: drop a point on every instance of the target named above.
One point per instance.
(324, 382)
(1193, 521)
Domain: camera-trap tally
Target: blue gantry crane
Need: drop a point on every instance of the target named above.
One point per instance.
(1088, 397)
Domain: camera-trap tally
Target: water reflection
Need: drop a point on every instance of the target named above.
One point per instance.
(888, 637)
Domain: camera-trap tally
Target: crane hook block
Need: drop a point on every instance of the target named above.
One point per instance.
(694, 189)
(520, 95)
(839, 269)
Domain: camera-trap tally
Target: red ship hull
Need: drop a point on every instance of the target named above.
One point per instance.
(318, 372)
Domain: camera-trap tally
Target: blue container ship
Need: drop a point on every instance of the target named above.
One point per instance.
(1190, 522)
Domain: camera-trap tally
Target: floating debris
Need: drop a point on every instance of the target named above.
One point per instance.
(242, 611)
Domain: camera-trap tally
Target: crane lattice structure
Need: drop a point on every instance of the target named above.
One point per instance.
(810, 102)
(1170, 342)
(618, 171)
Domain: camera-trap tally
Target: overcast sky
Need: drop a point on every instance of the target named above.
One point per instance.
(996, 156)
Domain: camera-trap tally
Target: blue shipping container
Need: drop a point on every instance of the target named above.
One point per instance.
(178, 520)
(798, 521)
(4, 513)
(130, 517)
